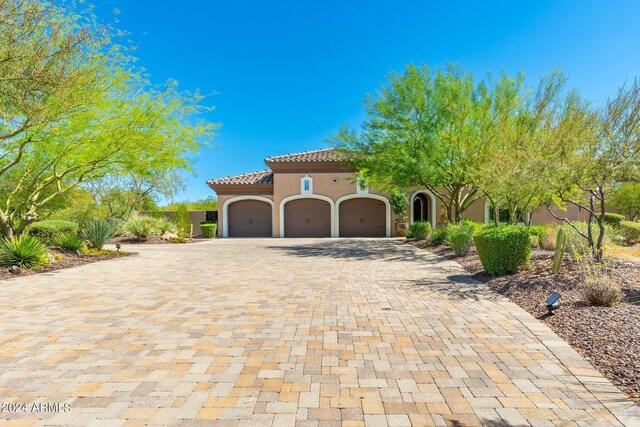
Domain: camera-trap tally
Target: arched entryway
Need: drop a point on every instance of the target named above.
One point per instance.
(307, 217)
(249, 218)
(423, 207)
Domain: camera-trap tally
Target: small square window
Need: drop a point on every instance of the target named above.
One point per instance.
(306, 185)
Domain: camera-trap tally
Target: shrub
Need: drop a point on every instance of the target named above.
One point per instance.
(98, 232)
(470, 226)
(503, 250)
(535, 241)
(438, 237)
(183, 220)
(460, 242)
(25, 251)
(47, 230)
(601, 291)
(68, 242)
(548, 239)
(209, 230)
(141, 227)
(578, 244)
(613, 219)
(178, 240)
(630, 231)
(163, 225)
(420, 230)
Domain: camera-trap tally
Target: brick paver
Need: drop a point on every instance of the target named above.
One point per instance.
(287, 332)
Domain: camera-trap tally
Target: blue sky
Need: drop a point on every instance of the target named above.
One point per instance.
(287, 74)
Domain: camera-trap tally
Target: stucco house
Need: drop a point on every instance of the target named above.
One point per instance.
(313, 194)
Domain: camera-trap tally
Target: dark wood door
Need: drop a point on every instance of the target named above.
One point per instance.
(250, 218)
(307, 218)
(363, 217)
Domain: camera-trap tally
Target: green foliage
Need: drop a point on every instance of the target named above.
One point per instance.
(438, 236)
(208, 204)
(165, 226)
(141, 227)
(468, 226)
(460, 241)
(62, 73)
(537, 230)
(626, 198)
(47, 230)
(630, 231)
(399, 203)
(68, 242)
(209, 230)
(419, 230)
(576, 242)
(503, 250)
(178, 240)
(613, 219)
(98, 232)
(23, 251)
(182, 219)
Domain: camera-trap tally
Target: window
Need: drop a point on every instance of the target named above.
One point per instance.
(307, 185)
(504, 215)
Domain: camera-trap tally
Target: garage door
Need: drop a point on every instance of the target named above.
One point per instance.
(363, 218)
(307, 218)
(249, 218)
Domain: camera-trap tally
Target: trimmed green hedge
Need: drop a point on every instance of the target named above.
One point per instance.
(630, 231)
(208, 230)
(613, 219)
(503, 250)
(46, 231)
(419, 230)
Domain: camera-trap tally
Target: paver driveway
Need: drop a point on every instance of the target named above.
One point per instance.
(283, 332)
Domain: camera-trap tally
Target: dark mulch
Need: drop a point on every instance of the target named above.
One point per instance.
(608, 336)
(152, 240)
(63, 260)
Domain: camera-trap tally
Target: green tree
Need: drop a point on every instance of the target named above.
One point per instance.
(626, 199)
(73, 109)
(182, 219)
(424, 128)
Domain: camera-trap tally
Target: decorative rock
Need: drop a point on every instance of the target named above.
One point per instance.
(14, 269)
(168, 235)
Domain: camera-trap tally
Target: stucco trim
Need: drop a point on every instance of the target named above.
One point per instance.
(332, 207)
(432, 197)
(225, 211)
(366, 196)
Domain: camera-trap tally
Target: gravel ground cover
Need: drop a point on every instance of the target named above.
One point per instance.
(62, 260)
(608, 336)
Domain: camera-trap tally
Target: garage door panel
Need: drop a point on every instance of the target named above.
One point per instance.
(307, 218)
(250, 218)
(363, 217)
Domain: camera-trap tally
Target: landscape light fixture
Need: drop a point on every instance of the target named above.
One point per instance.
(118, 247)
(27, 218)
(553, 302)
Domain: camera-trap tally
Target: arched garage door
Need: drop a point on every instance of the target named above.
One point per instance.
(362, 217)
(307, 218)
(250, 218)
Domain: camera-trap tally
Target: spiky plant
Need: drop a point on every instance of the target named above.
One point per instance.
(23, 251)
(98, 232)
(68, 242)
(141, 227)
(164, 225)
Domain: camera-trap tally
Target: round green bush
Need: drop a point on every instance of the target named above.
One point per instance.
(420, 230)
(46, 231)
(460, 242)
(630, 231)
(24, 251)
(438, 236)
(209, 230)
(503, 250)
(613, 219)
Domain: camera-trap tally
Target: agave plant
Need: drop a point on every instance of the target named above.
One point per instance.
(68, 242)
(98, 232)
(141, 227)
(24, 251)
(164, 225)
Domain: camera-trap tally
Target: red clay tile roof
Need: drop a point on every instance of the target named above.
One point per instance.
(262, 177)
(325, 155)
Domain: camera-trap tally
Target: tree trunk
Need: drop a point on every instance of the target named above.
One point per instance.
(5, 226)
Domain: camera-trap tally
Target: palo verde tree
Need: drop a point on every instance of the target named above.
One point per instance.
(626, 198)
(74, 109)
(591, 152)
(424, 128)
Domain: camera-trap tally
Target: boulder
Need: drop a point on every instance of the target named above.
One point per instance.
(168, 235)
(14, 269)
